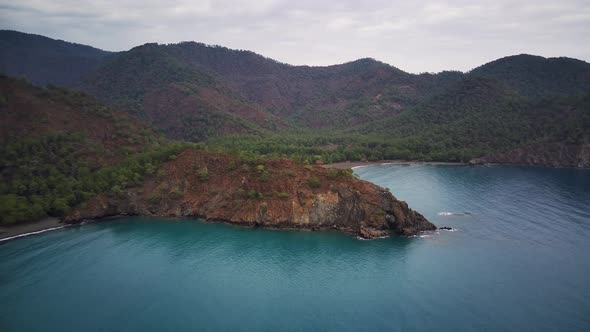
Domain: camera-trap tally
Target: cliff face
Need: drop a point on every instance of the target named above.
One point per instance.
(275, 194)
(543, 154)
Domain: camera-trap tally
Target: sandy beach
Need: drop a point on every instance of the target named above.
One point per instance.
(352, 164)
(15, 231)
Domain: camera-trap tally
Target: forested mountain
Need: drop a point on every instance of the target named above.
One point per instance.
(339, 95)
(219, 87)
(182, 101)
(479, 116)
(243, 102)
(44, 60)
(60, 147)
(537, 77)
(256, 89)
(318, 97)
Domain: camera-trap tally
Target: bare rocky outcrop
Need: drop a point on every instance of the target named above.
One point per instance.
(542, 154)
(275, 194)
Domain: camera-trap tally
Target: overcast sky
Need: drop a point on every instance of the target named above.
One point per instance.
(416, 36)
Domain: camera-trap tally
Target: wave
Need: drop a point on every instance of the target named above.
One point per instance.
(32, 233)
(375, 238)
(454, 214)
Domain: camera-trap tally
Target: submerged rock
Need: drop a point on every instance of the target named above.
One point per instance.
(276, 194)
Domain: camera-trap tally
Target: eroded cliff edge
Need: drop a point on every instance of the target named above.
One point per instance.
(277, 194)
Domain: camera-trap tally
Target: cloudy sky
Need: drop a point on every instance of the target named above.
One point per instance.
(416, 36)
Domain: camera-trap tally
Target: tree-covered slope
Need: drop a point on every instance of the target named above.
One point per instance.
(182, 101)
(341, 95)
(44, 60)
(538, 77)
(251, 87)
(317, 97)
(246, 103)
(480, 116)
(58, 148)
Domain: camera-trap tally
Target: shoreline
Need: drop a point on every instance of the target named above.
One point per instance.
(49, 224)
(356, 164)
(30, 228)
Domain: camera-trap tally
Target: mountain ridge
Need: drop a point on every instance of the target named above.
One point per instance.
(44, 60)
(214, 46)
(364, 109)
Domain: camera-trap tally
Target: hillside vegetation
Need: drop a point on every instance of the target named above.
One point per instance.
(44, 60)
(59, 148)
(245, 104)
(182, 101)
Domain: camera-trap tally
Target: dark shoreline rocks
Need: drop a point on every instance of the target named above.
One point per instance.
(541, 154)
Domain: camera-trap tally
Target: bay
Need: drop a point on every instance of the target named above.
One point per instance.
(516, 259)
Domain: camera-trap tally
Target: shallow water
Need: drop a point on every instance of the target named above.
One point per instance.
(517, 261)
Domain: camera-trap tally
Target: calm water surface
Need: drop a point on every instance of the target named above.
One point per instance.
(518, 260)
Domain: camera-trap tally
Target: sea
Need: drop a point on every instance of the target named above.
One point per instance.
(516, 258)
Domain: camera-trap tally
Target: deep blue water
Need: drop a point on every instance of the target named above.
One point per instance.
(519, 262)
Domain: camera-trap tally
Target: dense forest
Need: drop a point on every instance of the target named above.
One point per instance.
(44, 60)
(60, 147)
(476, 117)
(100, 122)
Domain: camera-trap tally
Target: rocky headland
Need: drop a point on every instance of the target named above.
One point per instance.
(274, 194)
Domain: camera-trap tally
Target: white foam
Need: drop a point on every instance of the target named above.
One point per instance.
(458, 214)
(374, 238)
(31, 233)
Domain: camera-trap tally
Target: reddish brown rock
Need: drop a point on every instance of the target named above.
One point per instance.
(276, 194)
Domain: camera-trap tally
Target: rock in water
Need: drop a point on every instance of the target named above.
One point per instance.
(275, 194)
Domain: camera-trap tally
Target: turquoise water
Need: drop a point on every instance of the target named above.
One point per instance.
(519, 261)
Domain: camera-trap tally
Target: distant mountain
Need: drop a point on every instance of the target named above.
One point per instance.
(536, 77)
(364, 109)
(250, 86)
(43, 60)
(307, 95)
(183, 101)
(479, 116)
(332, 96)
(256, 87)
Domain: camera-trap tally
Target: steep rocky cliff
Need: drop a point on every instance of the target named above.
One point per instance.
(274, 194)
(542, 154)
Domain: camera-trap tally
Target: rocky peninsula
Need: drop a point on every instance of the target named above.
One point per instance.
(278, 193)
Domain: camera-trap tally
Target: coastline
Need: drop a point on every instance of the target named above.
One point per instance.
(30, 228)
(355, 164)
